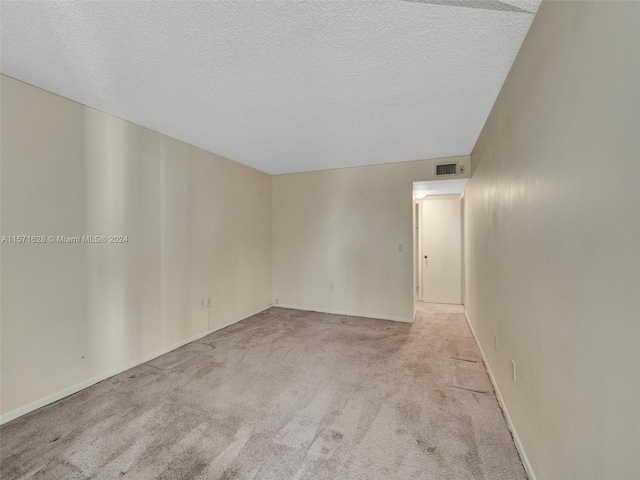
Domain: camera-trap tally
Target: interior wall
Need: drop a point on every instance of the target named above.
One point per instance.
(337, 236)
(198, 226)
(552, 234)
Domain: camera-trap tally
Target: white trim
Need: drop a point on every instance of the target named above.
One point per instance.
(512, 428)
(350, 314)
(65, 392)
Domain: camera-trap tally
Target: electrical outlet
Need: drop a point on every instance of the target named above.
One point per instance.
(202, 303)
(513, 369)
(208, 301)
(496, 343)
(400, 247)
(276, 301)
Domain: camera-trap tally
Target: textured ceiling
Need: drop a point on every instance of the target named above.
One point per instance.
(282, 86)
(484, 4)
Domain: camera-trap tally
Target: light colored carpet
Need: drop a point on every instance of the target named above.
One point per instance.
(284, 394)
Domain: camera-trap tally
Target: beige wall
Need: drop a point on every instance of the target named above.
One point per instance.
(344, 227)
(198, 225)
(553, 241)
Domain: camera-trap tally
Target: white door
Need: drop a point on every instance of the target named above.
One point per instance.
(441, 256)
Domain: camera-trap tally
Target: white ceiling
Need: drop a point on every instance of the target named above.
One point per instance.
(282, 86)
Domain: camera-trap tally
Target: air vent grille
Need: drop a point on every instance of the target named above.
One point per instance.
(446, 169)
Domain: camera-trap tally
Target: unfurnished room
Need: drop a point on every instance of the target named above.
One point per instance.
(320, 239)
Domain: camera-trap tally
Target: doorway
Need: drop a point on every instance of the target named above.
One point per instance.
(438, 241)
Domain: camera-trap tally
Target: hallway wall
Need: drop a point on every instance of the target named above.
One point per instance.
(343, 227)
(198, 226)
(553, 241)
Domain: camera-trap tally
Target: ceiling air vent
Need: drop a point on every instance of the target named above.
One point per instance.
(446, 169)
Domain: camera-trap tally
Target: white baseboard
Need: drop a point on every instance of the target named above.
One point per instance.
(65, 392)
(505, 411)
(349, 314)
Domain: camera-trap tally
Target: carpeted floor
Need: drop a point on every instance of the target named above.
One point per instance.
(284, 394)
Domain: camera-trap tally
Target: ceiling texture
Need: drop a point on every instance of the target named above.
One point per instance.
(282, 86)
